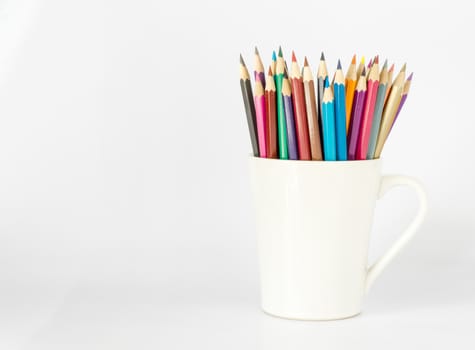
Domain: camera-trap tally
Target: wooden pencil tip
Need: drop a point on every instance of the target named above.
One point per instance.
(385, 65)
(376, 59)
(403, 69)
(305, 62)
(353, 60)
(339, 64)
(256, 51)
(269, 72)
(370, 63)
(322, 57)
(294, 59)
(241, 60)
(391, 68)
(280, 52)
(274, 56)
(410, 77)
(363, 73)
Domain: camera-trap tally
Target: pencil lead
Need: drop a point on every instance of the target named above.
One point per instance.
(385, 65)
(280, 52)
(410, 77)
(270, 71)
(327, 82)
(403, 69)
(274, 56)
(305, 62)
(339, 64)
(376, 60)
(362, 60)
(241, 60)
(363, 73)
(256, 51)
(293, 57)
(353, 60)
(322, 57)
(392, 68)
(370, 63)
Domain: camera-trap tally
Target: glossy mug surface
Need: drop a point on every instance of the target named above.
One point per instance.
(313, 227)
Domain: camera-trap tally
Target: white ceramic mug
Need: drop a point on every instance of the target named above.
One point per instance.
(313, 224)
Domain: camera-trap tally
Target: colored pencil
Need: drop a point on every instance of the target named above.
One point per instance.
(260, 103)
(390, 82)
(356, 114)
(360, 68)
(312, 112)
(246, 91)
(259, 74)
(271, 121)
(405, 92)
(390, 110)
(273, 63)
(378, 110)
(328, 123)
(289, 117)
(298, 99)
(281, 123)
(322, 74)
(340, 113)
(368, 112)
(350, 83)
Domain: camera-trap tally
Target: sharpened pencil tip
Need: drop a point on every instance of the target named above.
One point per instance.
(280, 52)
(241, 60)
(269, 72)
(403, 69)
(274, 56)
(392, 68)
(376, 59)
(327, 82)
(256, 51)
(385, 65)
(338, 65)
(294, 59)
(363, 73)
(305, 62)
(322, 57)
(362, 60)
(353, 60)
(410, 77)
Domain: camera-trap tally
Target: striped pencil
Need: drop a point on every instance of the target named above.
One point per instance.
(246, 91)
(356, 114)
(350, 83)
(289, 117)
(298, 99)
(328, 123)
(271, 121)
(259, 74)
(390, 110)
(340, 113)
(368, 112)
(360, 68)
(260, 103)
(378, 110)
(390, 82)
(312, 112)
(405, 92)
(281, 123)
(322, 74)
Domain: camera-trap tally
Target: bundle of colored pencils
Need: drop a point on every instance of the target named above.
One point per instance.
(348, 119)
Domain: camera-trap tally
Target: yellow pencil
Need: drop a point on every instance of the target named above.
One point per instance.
(350, 83)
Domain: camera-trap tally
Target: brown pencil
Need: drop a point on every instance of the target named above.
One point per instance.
(271, 122)
(300, 113)
(248, 99)
(312, 112)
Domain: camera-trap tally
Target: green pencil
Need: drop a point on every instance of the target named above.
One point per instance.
(281, 124)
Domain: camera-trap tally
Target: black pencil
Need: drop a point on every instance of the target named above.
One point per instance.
(248, 99)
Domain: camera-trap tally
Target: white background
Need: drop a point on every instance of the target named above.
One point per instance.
(125, 217)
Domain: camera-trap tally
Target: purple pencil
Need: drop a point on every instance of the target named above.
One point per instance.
(405, 92)
(289, 118)
(356, 114)
(259, 74)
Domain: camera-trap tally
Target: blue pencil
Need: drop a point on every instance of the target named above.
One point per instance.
(290, 120)
(328, 121)
(340, 113)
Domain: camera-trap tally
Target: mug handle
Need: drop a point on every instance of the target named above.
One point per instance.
(388, 182)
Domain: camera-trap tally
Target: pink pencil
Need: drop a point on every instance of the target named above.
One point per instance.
(260, 104)
(368, 112)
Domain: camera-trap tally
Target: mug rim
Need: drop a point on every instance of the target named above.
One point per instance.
(321, 162)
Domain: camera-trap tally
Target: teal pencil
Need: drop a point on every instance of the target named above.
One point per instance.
(281, 123)
(378, 110)
(340, 113)
(328, 121)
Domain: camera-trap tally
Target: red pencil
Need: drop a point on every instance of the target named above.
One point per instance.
(271, 121)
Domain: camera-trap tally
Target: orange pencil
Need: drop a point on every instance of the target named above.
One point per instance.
(350, 83)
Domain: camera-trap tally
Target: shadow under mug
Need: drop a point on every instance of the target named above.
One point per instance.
(313, 226)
